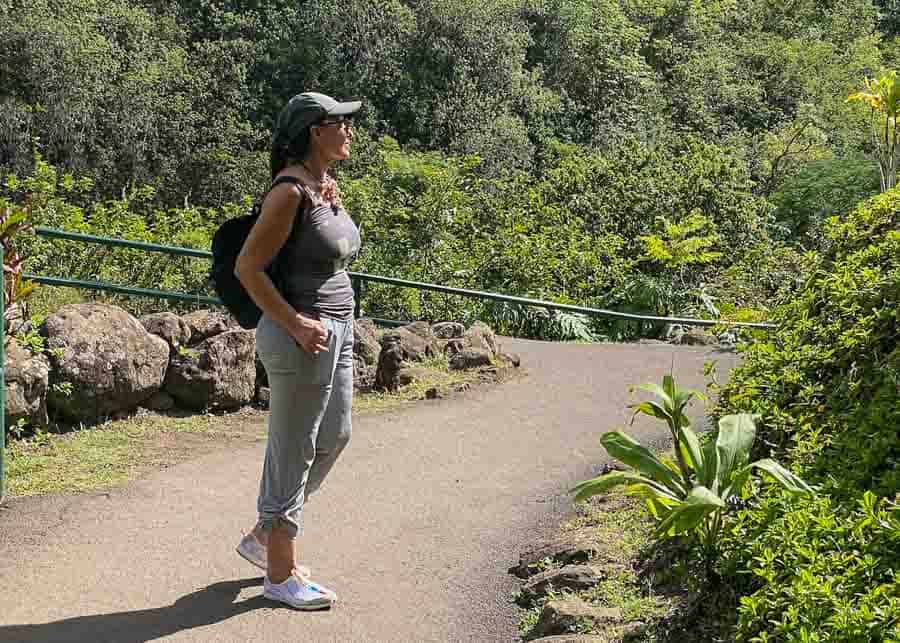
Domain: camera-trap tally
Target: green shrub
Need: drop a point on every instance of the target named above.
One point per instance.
(827, 387)
(61, 201)
(828, 570)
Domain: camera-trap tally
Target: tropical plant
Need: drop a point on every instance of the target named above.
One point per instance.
(692, 495)
(883, 98)
(14, 220)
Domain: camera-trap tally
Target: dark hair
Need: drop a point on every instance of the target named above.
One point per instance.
(282, 154)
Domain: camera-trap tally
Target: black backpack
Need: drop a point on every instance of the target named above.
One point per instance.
(226, 246)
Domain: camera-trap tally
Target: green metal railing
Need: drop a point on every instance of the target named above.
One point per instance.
(359, 279)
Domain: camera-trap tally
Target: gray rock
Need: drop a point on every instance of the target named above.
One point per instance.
(689, 336)
(159, 401)
(27, 377)
(422, 329)
(479, 336)
(413, 346)
(564, 552)
(448, 330)
(470, 358)
(218, 373)
(108, 360)
(170, 327)
(510, 358)
(363, 375)
(390, 361)
(263, 396)
(365, 344)
(565, 615)
(573, 577)
(204, 324)
(573, 638)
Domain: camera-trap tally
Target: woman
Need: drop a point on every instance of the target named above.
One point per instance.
(305, 336)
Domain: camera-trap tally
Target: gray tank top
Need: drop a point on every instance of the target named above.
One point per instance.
(313, 263)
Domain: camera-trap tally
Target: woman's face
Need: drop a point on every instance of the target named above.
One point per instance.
(332, 138)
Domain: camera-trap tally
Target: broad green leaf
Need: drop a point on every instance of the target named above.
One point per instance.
(650, 408)
(711, 467)
(699, 503)
(788, 480)
(604, 483)
(669, 387)
(628, 451)
(693, 454)
(736, 435)
(658, 391)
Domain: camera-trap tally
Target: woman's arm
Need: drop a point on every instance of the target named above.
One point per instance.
(268, 235)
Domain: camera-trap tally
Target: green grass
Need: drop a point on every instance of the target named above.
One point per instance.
(98, 457)
(620, 530)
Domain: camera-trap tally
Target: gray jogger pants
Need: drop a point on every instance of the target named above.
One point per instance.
(309, 417)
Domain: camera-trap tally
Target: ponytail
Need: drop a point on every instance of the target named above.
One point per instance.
(283, 154)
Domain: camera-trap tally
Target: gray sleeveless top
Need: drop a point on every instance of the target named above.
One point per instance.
(313, 263)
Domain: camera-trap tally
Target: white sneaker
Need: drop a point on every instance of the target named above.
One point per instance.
(297, 593)
(298, 572)
(254, 552)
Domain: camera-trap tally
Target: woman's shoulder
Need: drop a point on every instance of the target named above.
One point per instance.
(290, 190)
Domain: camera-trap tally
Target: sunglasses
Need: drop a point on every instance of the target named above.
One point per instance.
(344, 121)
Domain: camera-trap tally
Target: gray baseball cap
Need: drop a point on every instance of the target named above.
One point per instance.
(308, 109)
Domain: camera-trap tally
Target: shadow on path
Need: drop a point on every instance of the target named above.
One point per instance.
(212, 604)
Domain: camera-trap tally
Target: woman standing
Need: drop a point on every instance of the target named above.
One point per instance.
(305, 336)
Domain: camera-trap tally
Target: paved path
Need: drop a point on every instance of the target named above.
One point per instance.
(415, 528)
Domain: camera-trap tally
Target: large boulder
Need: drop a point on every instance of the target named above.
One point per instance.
(103, 361)
(390, 362)
(415, 341)
(204, 324)
(565, 615)
(480, 337)
(448, 330)
(365, 343)
(217, 373)
(170, 327)
(26, 385)
(571, 577)
(467, 359)
(473, 348)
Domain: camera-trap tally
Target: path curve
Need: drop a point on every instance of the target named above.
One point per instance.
(415, 528)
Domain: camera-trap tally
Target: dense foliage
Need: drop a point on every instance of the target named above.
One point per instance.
(827, 386)
(672, 157)
(645, 155)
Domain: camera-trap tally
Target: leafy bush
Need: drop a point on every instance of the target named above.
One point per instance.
(828, 569)
(823, 189)
(826, 385)
(62, 201)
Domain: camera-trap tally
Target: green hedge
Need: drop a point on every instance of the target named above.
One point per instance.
(827, 385)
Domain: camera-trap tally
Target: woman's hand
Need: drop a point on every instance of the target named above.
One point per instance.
(310, 334)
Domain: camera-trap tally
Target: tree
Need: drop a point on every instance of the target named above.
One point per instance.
(883, 98)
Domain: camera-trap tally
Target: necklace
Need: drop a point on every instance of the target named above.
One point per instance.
(327, 186)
